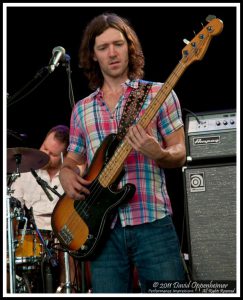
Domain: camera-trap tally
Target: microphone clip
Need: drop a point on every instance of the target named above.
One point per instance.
(44, 185)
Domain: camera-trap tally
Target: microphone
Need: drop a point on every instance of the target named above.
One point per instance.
(42, 183)
(58, 53)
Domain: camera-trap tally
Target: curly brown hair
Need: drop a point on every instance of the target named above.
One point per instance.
(96, 27)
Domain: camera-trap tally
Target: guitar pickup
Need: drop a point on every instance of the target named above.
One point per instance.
(66, 235)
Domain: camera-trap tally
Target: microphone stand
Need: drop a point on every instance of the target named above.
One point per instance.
(50, 258)
(40, 74)
(44, 185)
(72, 102)
(67, 274)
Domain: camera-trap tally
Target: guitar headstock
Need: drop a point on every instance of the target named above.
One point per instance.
(197, 47)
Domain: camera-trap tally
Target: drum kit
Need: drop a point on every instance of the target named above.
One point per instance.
(27, 249)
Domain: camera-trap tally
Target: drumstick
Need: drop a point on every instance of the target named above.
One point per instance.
(62, 157)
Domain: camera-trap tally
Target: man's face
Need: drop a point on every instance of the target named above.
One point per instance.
(111, 52)
(53, 148)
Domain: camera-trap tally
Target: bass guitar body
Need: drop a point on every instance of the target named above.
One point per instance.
(80, 225)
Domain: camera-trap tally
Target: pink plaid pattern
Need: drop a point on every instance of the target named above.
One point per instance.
(91, 122)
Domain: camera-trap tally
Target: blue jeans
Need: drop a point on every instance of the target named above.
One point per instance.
(153, 248)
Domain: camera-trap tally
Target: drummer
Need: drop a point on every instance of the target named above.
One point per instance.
(31, 195)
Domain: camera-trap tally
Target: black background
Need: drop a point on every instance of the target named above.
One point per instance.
(32, 33)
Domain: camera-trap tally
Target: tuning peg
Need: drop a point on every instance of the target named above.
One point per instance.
(186, 41)
(202, 24)
(210, 18)
(194, 32)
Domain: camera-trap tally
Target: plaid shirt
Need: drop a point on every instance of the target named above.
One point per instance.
(91, 122)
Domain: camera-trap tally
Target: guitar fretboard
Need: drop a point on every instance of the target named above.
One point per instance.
(113, 167)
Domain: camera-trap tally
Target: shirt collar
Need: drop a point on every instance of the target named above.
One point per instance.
(97, 95)
(44, 173)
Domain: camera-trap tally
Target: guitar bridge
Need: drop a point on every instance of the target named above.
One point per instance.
(66, 235)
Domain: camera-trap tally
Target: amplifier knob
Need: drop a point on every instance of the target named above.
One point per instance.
(232, 122)
(225, 122)
(218, 123)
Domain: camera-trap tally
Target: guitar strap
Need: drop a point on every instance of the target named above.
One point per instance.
(132, 108)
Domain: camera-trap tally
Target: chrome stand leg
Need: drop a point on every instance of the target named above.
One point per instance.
(67, 273)
(11, 249)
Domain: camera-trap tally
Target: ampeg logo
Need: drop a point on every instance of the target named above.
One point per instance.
(197, 182)
(206, 140)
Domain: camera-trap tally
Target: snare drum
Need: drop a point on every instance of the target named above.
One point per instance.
(29, 247)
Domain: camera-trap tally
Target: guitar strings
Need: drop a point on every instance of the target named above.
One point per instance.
(84, 205)
(96, 187)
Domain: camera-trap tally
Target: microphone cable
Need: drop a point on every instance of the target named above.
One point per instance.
(38, 74)
(70, 86)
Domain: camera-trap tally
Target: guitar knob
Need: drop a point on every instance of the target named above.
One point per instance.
(210, 18)
(83, 247)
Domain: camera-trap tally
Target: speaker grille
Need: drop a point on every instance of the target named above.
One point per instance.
(211, 221)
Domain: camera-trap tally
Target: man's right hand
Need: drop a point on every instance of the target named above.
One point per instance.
(73, 184)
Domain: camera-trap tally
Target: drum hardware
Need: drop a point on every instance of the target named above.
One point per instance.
(12, 178)
(23, 284)
(66, 287)
(67, 284)
(26, 250)
(22, 159)
(11, 248)
(15, 203)
(44, 185)
(12, 213)
(19, 160)
(24, 230)
(29, 249)
(36, 255)
(50, 257)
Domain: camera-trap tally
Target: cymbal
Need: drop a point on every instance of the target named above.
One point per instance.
(28, 158)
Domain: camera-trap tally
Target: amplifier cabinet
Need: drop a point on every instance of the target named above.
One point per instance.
(210, 135)
(210, 210)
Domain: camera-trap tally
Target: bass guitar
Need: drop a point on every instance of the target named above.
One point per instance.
(80, 226)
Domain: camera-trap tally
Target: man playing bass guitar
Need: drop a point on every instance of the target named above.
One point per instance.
(141, 230)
